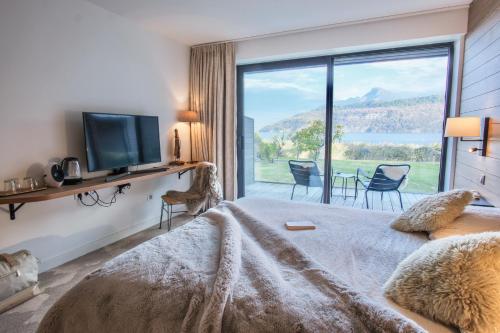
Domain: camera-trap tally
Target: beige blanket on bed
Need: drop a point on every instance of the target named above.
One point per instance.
(225, 271)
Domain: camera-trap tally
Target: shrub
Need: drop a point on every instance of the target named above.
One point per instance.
(387, 152)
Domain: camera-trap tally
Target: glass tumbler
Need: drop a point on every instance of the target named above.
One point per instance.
(16, 184)
(9, 185)
(28, 183)
(6, 185)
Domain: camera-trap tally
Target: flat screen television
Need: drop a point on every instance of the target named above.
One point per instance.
(117, 141)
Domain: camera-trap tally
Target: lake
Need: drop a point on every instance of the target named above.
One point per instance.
(399, 138)
(381, 138)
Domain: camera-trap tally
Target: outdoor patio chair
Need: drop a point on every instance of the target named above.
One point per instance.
(387, 178)
(305, 173)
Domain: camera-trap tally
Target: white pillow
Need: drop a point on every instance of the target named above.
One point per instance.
(472, 221)
(433, 212)
(455, 280)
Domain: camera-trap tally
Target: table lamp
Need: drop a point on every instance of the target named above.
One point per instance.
(189, 117)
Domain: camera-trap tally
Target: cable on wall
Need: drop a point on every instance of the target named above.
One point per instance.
(96, 199)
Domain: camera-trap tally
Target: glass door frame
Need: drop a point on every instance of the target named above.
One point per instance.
(412, 52)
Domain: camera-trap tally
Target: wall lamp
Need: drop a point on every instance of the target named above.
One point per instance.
(469, 127)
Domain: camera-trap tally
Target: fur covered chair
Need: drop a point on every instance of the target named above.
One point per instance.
(205, 191)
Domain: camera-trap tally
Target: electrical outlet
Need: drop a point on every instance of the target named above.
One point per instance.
(149, 197)
(482, 179)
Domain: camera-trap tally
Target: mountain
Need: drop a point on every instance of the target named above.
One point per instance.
(376, 95)
(374, 112)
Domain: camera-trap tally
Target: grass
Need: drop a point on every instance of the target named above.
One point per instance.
(423, 177)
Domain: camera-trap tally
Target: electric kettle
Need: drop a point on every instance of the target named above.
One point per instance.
(72, 172)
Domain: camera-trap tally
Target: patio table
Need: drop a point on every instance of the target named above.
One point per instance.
(345, 178)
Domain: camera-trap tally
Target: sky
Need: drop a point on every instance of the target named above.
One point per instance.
(275, 95)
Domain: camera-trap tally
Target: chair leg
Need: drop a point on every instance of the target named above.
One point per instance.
(333, 185)
(171, 216)
(400, 200)
(162, 208)
(293, 190)
(307, 190)
(169, 212)
(382, 200)
(390, 200)
(366, 200)
(355, 190)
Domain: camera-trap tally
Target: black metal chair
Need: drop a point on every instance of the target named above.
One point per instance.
(305, 173)
(382, 181)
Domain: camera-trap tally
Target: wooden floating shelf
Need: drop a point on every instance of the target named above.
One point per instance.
(87, 185)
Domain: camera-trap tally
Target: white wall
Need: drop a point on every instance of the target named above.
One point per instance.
(410, 30)
(398, 31)
(57, 59)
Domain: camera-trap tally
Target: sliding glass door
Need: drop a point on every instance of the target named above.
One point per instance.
(392, 112)
(304, 124)
(283, 130)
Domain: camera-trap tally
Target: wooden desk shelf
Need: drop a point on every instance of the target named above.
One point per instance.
(87, 185)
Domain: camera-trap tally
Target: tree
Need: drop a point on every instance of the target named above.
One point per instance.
(339, 133)
(266, 151)
(298, 143)
(315, 138)
(312, 138)
(270, 151)
(257, 145)
(278, 145)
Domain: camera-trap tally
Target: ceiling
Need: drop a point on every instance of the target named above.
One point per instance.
(203, 21)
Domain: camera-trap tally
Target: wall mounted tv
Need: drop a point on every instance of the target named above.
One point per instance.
(117, 141)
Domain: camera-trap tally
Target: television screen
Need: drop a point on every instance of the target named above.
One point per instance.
(115, 141)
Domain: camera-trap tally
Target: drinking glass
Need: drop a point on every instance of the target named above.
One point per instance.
(7, 187)
(16, 185)
(10, 185)
(29, 183)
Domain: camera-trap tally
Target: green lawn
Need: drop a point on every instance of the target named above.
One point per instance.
(423, 177)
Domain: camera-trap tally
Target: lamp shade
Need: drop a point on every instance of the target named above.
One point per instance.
(463, 127)
(188, 117)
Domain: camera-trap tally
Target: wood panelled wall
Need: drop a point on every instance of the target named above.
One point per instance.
(481, 97)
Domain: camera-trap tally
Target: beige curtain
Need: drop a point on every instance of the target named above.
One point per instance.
(212, 94)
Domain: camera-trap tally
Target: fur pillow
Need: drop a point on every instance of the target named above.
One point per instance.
(455, 280)
(433, 212)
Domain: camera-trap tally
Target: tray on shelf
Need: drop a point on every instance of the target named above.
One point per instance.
(21, 191)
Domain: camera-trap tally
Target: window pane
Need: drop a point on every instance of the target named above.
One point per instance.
(391, 112)
(284, 120)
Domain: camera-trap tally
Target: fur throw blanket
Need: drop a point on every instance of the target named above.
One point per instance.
(224, 272)
(205, 189)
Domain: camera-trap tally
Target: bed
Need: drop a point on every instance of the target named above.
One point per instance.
(237, 268)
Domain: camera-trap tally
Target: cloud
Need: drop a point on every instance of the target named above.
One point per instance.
(308, 82)
(416, 76)
(423, 66)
